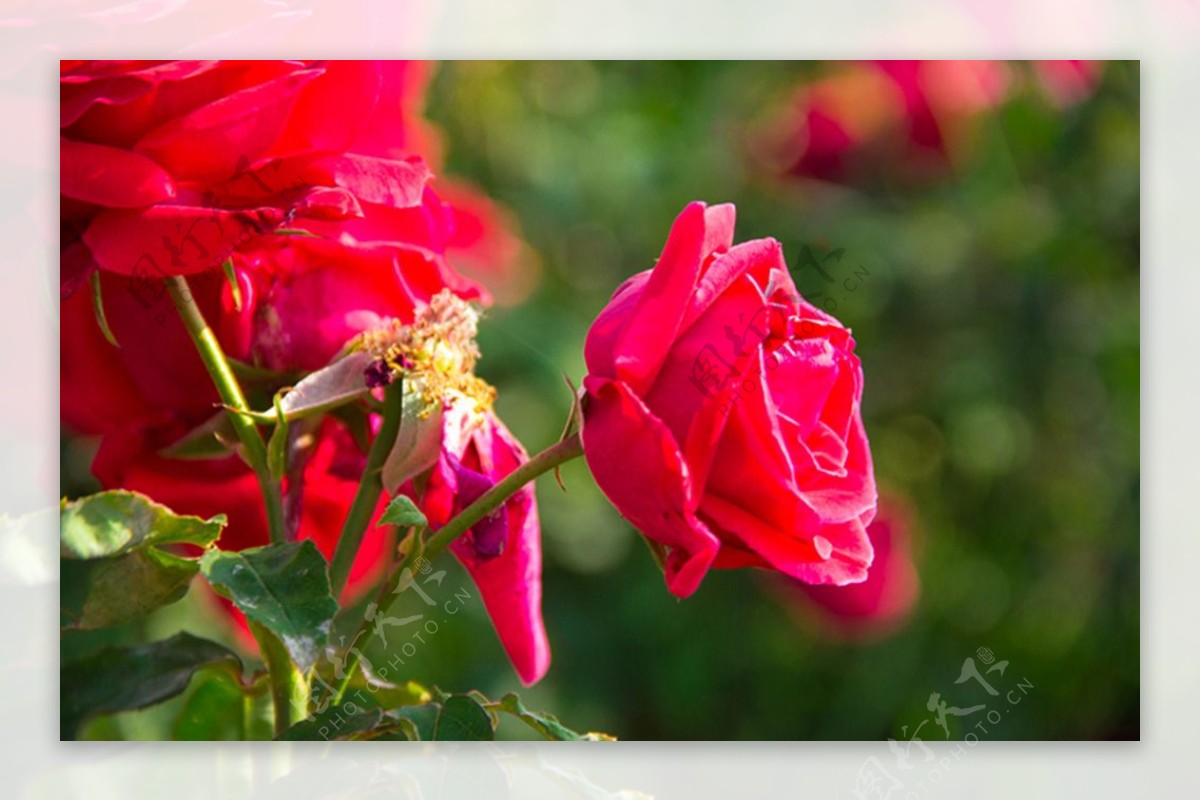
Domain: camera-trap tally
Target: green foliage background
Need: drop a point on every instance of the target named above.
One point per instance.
(999, 331)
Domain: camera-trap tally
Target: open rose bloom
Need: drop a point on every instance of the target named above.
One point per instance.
(722, 413)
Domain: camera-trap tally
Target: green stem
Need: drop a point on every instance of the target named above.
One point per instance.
(369, 488)
(231, 395)
(384, 599)
(289, 688)
(565, 450)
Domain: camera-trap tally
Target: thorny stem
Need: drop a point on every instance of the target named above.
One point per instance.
(289, 689)
(231, 395)
(563, 451)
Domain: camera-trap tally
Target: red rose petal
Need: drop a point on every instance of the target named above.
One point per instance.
(638, 466)
(112, 177)
(173, 240)
(212, 141)
(697, 233)
(511, 583)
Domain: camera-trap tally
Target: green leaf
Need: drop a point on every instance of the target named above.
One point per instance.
(284, 587)
(546, 725)
(118, 521)
(335, 723)
(121, 679)
(219, 707)
(402, 512)
(458, 717)
(418, 443)
(117, 558)
(463, 718)
(98, 308)
(422, 720)
(107, 592)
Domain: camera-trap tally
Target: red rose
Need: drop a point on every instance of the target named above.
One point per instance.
(177, 167)
(167, 166)
(304, 177)
(722, 416)
(171, 168)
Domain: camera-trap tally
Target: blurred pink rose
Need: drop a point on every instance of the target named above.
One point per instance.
(904, 119)
(877, 606)
(1067, 83)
